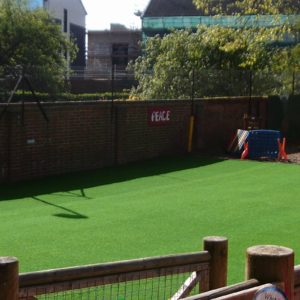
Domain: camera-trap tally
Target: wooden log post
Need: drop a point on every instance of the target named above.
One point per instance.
(9, 278)
(218, 248)
(270, 264)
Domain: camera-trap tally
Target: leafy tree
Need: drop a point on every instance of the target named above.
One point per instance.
(33, 42)
(296, 57)
(248, 7)
(216, 60)
(295, 52)
(213, 61)
(290, 62)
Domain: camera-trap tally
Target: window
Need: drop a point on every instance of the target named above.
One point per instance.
(120, 55)
(65, 20)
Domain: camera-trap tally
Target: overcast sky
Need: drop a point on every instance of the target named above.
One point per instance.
(103, 12)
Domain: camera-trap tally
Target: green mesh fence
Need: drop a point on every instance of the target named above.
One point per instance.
(226, 21)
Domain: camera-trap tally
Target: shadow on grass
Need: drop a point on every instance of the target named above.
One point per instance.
(81, 180)
(70, 214)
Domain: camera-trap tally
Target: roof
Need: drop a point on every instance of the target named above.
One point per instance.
(171, 8)
(178, 8)
(83, 7)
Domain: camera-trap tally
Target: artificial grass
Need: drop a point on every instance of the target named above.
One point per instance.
(157, 207)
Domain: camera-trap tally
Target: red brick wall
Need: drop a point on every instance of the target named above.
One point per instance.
(76, 138)
(137, 139)
(90, 135)
(4, 145)
(218, 119)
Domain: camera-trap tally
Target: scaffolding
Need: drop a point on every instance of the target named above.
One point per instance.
(161, 25)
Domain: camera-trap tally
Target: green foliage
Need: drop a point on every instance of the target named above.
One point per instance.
(31, 40)
(295, 51)
(295, 55)
(248, 7)
(183, 62)
(44, 97)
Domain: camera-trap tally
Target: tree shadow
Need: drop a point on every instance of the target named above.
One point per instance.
(108, 175)
(70, 214)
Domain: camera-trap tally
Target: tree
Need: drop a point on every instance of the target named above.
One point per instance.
(248, 7)
(295, 52)
(218, 61)
(284, 13)
(32, 41)
(213, 61)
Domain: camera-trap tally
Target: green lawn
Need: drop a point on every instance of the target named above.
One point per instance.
(157, 207)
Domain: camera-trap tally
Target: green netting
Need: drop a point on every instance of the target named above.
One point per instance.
(227, 21)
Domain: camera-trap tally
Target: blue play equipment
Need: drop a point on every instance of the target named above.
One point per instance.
(260, 143)
(263, 143)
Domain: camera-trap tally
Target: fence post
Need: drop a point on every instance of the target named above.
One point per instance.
(9, 278)
(268, 264)
(217, 246)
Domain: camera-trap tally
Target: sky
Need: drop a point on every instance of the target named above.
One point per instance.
(100, 13)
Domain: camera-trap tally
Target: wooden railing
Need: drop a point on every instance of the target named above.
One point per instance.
(166, 277)
(119, 276)
(297, 282)
(243, 290)
(273, 264)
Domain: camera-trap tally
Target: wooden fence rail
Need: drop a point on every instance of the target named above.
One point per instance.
(55, 281)
(212, 294)
(196, 270)
(266, 266)
(173, 276)
(297, 282)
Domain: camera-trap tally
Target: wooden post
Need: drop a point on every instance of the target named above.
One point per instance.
(218, 248)
(270, 264)
(9, 278)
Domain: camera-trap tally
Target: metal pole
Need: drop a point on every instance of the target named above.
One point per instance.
(112, 81)
(192, 118)
(293, 83)
(250, 94)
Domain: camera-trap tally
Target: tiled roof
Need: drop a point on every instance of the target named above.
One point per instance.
(170, 8)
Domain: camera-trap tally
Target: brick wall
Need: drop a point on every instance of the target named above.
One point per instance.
(90, 135)
(4, 146)
(77, 137)
(218, 119)
(138, 139)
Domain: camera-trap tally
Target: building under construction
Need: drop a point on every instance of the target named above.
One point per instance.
(110, 51)
(162, 16)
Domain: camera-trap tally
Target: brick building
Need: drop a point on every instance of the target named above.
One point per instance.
(161, 16)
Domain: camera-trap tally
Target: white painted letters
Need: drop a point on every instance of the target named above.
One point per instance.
(159, 116)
